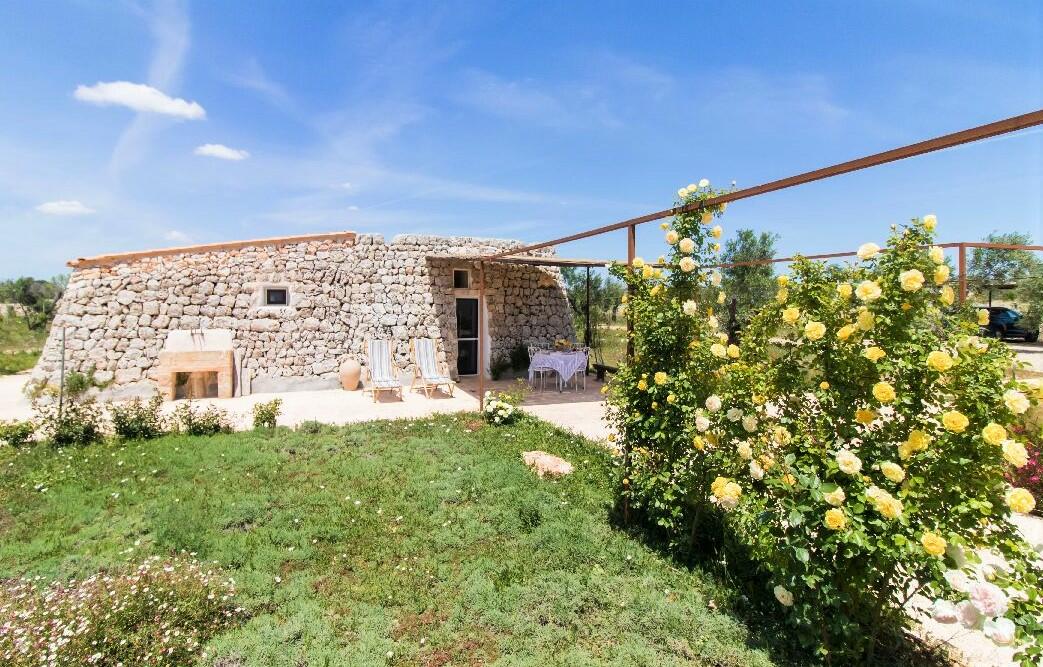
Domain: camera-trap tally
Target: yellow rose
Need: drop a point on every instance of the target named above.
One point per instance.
(883, 392)
(686, 245)
(782, 280)
(1021, 501)
(672, 237)
(718, 350)
(655, 291)
(721, 297)
(791, 315)
(892, 471)
(647, 272)
(868, 251)
(671, 399)
(1015, 453)
(955, 421)
(716, 231)
(717, 484)
(865, 320)
(941, 274)
(707, 217)
(789, 480)
(865, 416)
(844, 290)
(835, 519)
(918, 440)
(940, 361)
(823, 385)
(868, 290)
(904, 451)
(948, 296)
(930, 222)
(814, 330)
(844, 332)
(699, 443)
(994, 434)
(723, 337)
(733, 351)
(911, 280)
(983, 317)
(660, 378)
(782, 295)
(848, 462)
(874, 353)
(687, 264)
(642, 385)
(933, 543)
(638, 263)
(889, 507)
(716, 247)
(835, 497)
(1016, 402)
(936, 254)
(906, 306)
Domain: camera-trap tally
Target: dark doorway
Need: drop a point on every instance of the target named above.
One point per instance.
(467, 336)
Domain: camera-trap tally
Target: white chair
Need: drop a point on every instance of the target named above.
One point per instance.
(538, 371)
(381, 373)
(426, 371)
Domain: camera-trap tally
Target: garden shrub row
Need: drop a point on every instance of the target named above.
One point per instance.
(853, 448)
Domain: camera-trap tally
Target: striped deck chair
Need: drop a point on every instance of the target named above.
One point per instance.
(426, 371)
(381, 373)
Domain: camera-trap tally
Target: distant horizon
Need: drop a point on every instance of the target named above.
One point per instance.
(173, 123)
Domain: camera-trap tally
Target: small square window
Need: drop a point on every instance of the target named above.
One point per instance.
(461, 278)
(276, 296)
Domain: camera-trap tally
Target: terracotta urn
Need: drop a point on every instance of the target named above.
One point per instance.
(350, 371)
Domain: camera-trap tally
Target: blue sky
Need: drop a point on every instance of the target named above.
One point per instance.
(518, 120)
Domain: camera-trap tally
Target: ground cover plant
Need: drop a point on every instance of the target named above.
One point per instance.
(851, 451)
(405, 543)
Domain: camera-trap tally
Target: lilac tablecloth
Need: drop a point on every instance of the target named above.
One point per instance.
(565, 364)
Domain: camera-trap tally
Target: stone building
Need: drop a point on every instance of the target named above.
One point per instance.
(297, 307)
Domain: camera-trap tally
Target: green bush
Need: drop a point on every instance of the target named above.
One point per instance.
(266, 414)
(17, 433)
(158, 613)
(137, 419)
(853, 449)
(74, 423)
(211, 421)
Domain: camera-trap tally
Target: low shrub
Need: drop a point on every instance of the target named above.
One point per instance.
(17, 433)
(500, 365)
(314, 427)
(137, 419)
(211, 421)
(158, 613)
(266, 414)
(78, 384)
(501, 407)
(74, 423)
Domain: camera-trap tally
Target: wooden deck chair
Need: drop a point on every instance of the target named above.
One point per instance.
(381, 373)
(426, 371)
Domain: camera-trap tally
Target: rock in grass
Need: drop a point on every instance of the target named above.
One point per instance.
(545, 464)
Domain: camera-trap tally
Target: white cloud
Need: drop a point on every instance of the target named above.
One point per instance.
(139, 97)
(177, 236)
(221, 152)
(64, 207)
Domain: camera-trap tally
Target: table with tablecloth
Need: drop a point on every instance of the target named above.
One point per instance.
(565, 364)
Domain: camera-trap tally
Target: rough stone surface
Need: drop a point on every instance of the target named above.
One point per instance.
(547, 465)
(341, 293)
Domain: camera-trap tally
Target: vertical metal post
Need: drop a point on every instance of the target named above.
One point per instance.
(631, 254)
(61, 378)
(963, 273)
(586, 322)
(481, 336)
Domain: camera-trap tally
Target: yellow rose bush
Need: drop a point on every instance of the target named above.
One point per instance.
(853, 450)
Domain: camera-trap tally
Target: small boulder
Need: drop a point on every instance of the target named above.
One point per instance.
(547, 465)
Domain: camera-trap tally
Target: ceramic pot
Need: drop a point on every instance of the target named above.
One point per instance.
(350, 372)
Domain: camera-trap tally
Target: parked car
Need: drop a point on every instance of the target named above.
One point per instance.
(1003, 323)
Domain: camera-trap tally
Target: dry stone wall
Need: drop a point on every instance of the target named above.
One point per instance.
(342, 292)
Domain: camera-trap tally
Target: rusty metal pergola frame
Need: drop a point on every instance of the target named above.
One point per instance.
(519, 255)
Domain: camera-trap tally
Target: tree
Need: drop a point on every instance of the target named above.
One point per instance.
(750, 286)
(37, 298)
(605, 294)
(989, 266)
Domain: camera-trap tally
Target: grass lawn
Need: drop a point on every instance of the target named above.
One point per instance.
(19, 345)
(426, 539)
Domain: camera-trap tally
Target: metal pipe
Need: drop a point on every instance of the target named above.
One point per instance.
(1005, 126)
